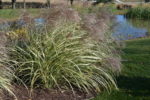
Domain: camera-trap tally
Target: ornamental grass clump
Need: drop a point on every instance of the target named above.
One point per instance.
(5, 79)
(61, 58)
(6, 72)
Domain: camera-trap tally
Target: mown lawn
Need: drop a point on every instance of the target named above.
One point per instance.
(134, 81)
(133, 0)
(12, 14)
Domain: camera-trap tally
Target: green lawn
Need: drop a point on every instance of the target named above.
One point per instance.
(133, 0)
(11, 14)
(134, 81)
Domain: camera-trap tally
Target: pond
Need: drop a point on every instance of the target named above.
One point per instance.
(126, 29)
(38, 22)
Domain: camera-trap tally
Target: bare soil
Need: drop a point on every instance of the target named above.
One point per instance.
(43, 94)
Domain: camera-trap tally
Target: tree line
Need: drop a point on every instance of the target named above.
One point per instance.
(13, 3)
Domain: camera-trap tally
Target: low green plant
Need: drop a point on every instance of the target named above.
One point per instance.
(62, 58)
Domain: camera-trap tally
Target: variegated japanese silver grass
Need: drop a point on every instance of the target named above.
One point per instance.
(6, 79)
(5, 72)
(61, 58)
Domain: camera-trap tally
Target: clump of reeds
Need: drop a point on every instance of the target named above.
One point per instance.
(139, 12)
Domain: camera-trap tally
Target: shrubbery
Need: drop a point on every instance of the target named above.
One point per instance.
(103, 1)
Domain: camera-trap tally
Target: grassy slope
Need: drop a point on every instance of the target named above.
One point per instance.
(134, 81)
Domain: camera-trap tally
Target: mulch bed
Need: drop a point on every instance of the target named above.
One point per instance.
(43, 94)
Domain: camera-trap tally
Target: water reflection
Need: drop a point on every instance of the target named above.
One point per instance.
(130, 28)
(141, 24)
(38, 22)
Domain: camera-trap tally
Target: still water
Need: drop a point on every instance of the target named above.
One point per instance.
(126, 29)
(38, 22)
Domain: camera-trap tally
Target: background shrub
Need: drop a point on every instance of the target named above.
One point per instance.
(103, 1)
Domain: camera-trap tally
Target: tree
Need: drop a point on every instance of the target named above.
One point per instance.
(146, 1)
(71, 2)
(48, 3)
(1, 4)
(13, 4)
(24, 4)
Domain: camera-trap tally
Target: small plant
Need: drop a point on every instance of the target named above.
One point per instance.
(62, 58)
(17, 33)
